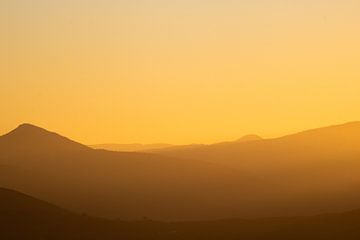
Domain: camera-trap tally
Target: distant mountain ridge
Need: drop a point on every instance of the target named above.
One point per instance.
(135, 147)
(244, 139)
(345, 136)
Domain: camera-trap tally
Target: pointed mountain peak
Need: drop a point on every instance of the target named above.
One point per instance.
(30, 130)
(31, 136)
(27, 127)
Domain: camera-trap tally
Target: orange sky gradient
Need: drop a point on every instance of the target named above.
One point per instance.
(178, 71)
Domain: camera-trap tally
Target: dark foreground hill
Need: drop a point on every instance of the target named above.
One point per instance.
(26, 218)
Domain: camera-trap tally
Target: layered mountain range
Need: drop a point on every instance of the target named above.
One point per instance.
(307, 173)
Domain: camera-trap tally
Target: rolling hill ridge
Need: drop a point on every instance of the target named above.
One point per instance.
(24, 217)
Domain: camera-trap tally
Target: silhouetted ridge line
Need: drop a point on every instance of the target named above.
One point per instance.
(28, 135)
(327, 133)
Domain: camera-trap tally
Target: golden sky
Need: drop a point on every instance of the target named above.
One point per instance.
(178, 71)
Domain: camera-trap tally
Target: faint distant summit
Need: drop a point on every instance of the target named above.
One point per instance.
(249, 138)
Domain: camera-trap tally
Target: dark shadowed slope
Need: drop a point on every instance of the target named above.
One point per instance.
(12, 202)
(344, 226)
(26, 218)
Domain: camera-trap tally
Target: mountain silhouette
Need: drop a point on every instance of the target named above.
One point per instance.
(308, 173)
(127, 185)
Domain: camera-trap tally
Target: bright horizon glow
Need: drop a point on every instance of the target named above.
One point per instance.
(178, 72)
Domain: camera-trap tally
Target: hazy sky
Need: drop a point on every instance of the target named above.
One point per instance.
(178, 71)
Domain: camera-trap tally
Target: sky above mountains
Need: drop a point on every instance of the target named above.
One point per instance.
(178, 71)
